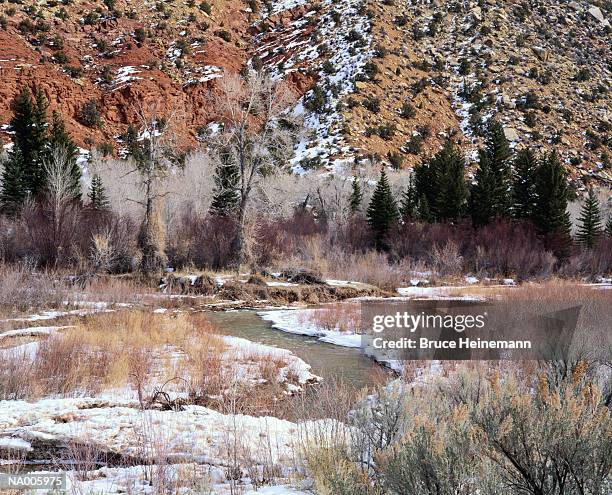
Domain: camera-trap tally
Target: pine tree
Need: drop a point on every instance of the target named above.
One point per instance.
(382, 210)
(551, 216)
(490, 194)
(226, 198)
(356, 197)
(523, 187)
(440, 186)
(590, 229)
(59, 139)
(97, 195)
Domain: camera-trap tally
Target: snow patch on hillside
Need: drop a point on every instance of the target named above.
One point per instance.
(346, 45)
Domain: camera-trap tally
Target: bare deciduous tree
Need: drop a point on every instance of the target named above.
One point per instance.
(257, 136)
(154, 156)
(60, 194)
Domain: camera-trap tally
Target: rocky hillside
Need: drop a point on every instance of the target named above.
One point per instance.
(386, 78)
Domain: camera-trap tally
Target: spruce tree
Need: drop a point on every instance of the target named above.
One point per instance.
(226, 198)
(97, 195)
(440, 186)
(589, 229)
(409, 203)
(37, 146)
(452, 193)
(609, 226)
(551, 216)
(382, 210)
(491, 192)
(356, 197)
(13, 190)
(24, 174)
(523, 186)
(59, 139)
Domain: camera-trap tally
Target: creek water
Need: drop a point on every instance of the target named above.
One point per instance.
(327, 360)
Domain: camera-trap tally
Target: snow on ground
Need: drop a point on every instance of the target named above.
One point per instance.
(31, 331)
(196, 435)
(125, 75)
(279, 6)
(52, 315)
(22, 351)
(195, 479)
(439, 293)
(243, 349)
(298, 321)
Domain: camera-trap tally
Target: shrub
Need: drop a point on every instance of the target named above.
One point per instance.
(372, 104)
(316, 102)
(140, 35)
(395, 159)
(407, 111)
(414, 145)
(89, 114)
(206, 8)
(224, 35)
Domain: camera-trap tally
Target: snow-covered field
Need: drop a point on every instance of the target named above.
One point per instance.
(195, 449)
(210, 441)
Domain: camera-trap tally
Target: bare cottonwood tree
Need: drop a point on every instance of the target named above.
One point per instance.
(258, 136)
(60, 194)
(154, 156)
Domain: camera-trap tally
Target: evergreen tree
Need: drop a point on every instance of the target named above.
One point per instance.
(440, 186)
(356, 197)
(13, 190)
(609, 226)
(490, 194)
(452, 195)
(409, 203)
(34, 145)
(382, 210)
(590, 227)
(226, 198)
(424, 211)
(97, 195)
(551, 217)
(59, 139)
(23, 168)
(523, 187)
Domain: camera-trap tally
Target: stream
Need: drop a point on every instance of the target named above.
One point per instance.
(327, 360)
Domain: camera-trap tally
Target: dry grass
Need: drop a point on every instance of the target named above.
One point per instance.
(21, 290)
(369, 268)
(24, 290)
(343, 317)
(158, 358)
(109, 350)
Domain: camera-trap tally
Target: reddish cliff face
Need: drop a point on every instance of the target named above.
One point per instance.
(168, 57)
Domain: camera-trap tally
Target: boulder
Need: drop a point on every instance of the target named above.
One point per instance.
(511, 134)
(597, 14)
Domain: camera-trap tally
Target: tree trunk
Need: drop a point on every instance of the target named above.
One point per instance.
(237, 245)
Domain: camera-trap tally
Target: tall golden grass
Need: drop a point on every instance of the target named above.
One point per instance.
(111, 350)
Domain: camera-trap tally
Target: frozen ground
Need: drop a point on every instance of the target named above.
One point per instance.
(210, 441)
